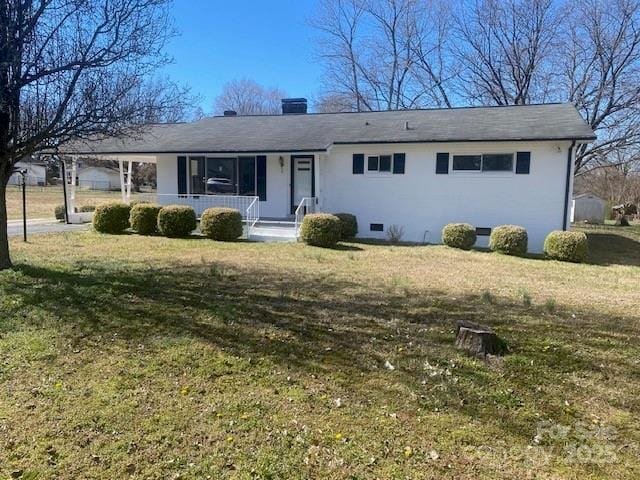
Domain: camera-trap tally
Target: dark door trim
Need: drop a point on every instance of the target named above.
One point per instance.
(313, 178)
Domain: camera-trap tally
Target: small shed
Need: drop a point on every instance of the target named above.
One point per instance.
(589, 208)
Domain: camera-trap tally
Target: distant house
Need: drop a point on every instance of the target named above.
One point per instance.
(98, 178)
(36, 174)
(414, 170)
(588, 208)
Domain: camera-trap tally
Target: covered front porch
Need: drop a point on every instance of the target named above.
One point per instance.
(272, 191)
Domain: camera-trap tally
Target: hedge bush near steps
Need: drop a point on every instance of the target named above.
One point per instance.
(58, 211)
(177, 220)
(144, 218)
(459, 235)
(321, 230)
(111, 217)
(224, 224)
(509, 239)
(566, 246)
(348, 225)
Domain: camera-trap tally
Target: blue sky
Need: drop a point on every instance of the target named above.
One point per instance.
(265, 40)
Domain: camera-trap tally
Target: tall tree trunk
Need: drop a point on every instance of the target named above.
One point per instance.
(5, 259)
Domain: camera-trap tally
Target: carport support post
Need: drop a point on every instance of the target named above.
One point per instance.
(129, 174)
(74, 172)
(122, 180)
(24, 205)
(63, 168)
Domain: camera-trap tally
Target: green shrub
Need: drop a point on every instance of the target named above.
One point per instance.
(321, 230)
(459, 235)
(87, 208)
(177, 220)
(566, 246)
(111, 217)
(224, 224)
(144, 218)
(59, 212)
(509, 239)
(348, 225)
(133, 203)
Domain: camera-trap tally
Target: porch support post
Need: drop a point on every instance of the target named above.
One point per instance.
(122, 189)
(318, 205)
(129, 174)
(74, 173)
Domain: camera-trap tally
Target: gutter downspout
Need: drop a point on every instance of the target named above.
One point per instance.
(568, 184)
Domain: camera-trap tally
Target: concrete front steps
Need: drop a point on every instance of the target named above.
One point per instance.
(273, 231)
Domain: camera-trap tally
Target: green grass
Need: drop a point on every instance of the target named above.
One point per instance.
(146, 357)
(41, 201)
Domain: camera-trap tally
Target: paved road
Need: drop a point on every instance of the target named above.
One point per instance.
(42, 226)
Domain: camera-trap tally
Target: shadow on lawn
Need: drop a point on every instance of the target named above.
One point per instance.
(612, 249)
(317, 324)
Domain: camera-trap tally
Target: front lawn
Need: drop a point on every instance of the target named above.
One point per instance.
(133, 357)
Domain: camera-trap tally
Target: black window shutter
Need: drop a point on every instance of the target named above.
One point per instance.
(442, 163)
(523, 162)
(358, 163)
(182, 175)
(398, 162)
(261, 176)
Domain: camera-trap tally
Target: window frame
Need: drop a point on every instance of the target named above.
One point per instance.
(369, 158)
(236, 159)
(482, 171)
(378, 172)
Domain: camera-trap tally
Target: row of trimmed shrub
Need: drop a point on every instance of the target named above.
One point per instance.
(224, 224)
(513, 240)
(172, 220)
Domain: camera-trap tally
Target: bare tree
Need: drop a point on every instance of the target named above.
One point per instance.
(504, 46)
(601, 75)
(74, 69)
(434, 69)
(340, 23)
(247, 97)
(382, 54)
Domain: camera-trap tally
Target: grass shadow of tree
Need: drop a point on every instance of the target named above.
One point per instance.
(315, 324)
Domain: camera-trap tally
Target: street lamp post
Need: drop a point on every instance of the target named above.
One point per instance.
(23, 175)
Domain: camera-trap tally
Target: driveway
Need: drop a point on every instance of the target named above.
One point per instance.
(46, 225)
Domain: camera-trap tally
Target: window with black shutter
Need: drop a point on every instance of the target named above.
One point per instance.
(398, 163)
(182, 175)
(261, 177)
(442, 163)
(358, 163)
(523, 163)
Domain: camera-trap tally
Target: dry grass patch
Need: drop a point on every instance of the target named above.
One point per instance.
(164, 358)
(41, 201)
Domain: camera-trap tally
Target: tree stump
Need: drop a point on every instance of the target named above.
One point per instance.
(479, 340)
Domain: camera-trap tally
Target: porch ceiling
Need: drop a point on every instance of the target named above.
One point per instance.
(121, 157)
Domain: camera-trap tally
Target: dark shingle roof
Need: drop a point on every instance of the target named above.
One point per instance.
(316, 132)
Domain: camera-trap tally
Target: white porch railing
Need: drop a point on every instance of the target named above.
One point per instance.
(307, 205)
(252, 215)
(248, 206)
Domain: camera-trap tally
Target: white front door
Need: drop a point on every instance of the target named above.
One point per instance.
(302, 181)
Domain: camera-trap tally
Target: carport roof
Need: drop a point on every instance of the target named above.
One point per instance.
(317, 132)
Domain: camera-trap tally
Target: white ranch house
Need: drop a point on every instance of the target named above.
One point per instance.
(416, 169)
